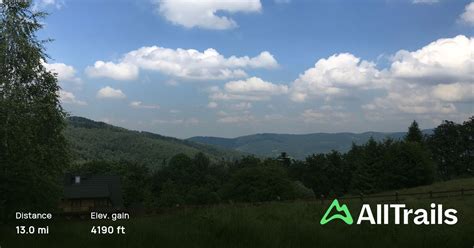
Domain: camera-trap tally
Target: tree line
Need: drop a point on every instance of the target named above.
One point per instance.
(372, 167)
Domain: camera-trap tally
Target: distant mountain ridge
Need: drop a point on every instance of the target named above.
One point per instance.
(298, 146)
(93, 140)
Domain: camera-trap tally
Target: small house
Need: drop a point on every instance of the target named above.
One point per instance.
(83, 193)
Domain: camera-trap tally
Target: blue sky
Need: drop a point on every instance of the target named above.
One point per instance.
(229, 68)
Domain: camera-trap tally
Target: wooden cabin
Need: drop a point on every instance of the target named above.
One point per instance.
(84, 193)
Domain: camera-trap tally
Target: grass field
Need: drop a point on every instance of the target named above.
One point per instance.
(268, 225)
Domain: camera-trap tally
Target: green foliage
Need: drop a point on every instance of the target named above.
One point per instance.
(188, 180)
(33, 151)
(267, 181)
(170, 194)
(195, 181)
(323, 173)
(92, 140)
(372, 167)
(414, 133)
(406, 164)
(199, 180)
(452, 148)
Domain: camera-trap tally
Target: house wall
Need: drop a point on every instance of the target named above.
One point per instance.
(83, 205)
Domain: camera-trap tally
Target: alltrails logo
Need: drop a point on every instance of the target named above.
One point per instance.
(347, 217)
(401, 214)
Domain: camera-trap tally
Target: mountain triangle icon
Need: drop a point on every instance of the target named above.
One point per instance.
(346, 216)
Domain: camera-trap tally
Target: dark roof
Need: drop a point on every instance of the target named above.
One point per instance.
(93, 186)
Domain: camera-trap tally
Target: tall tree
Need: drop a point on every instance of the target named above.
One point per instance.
(33, 151)
(446, 145)
(468, 143)
(414, 133)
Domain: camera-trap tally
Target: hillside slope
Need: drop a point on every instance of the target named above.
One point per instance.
(91, 140)
(297, 146)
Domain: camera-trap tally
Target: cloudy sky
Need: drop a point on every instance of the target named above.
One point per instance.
(235, 67)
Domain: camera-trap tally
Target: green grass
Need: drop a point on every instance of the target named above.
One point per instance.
(268, 225)
(466, 183)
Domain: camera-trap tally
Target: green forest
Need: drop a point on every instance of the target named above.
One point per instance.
(90, 140)
(373, 167)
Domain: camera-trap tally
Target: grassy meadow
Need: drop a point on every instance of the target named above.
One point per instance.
(277, 224)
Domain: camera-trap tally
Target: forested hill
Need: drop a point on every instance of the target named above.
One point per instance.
(92, 140)
(297, 146)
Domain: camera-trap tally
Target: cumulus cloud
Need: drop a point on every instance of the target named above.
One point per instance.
(203, 14)
(117, 71)
(69, 98)
(140, 105)
(255, 85)
(468, 15)
(250, 89)
(410, 101)
(181, 63)
(457, 92)
(65, 73)
(428, 81)
(212, 105)
(444, 60)
(109, 92)
(334, 75)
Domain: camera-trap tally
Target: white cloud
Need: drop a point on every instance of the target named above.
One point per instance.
(117, 71)
(429, 81)
(42, 4)
(190, 121)
(212, 105)
(203, 14)
(273, 117)
(250, 89)
(442, 61)
(69, 98)
(255, 85)
(241, 106)
(109, 92)
(188, 64)
(334, 75)
(175, 111)
(324, 116)
(456, 92)
(468, 15)
(410, 102)
(236, 119)
(65, 73)
(425, 1)
(140, 105)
